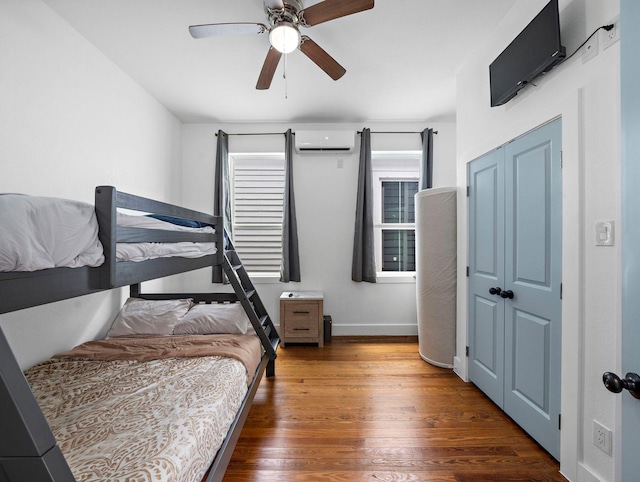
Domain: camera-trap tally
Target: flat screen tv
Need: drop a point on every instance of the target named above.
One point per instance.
(534, 51)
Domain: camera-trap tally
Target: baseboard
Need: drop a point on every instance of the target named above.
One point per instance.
(374, 330)
(460, 368)
(585, 475)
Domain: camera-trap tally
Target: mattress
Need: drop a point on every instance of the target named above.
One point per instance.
(45, 232)
(42, 232)
(143, 251)
(130, 420)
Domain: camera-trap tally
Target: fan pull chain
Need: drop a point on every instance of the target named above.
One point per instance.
(284, 76)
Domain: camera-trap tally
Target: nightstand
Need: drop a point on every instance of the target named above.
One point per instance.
(301, 319)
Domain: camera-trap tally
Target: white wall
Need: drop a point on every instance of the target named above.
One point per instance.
(325, 205)
(588, 99)
(71, 120)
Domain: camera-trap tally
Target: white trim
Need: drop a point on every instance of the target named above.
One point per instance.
(459, 367)
(391, 166)
(585, 475)
(264, 278)
(374, 330)
(387, 277)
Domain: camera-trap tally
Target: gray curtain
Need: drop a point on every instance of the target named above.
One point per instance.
(426, 162)
(290, 264)
(364, 264)
(222, 200)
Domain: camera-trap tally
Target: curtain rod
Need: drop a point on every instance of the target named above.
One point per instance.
(258, 134)
(282, 133)
(397, 132)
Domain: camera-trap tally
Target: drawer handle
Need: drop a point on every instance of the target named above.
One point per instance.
(301, 329)
(301, 312)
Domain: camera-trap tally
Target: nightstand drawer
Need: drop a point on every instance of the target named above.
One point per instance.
(301, 328)
(301, 312)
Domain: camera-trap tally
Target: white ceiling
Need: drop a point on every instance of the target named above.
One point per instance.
(401, 58)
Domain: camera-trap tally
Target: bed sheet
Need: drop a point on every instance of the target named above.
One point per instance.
(143, 251)
(45, 232)
(139, 421)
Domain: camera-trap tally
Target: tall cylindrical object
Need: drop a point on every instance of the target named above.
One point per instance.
(436, 250)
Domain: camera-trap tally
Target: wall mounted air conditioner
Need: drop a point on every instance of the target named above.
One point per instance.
(310, 142)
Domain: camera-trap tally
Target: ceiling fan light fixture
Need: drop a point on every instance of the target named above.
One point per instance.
(284, 37)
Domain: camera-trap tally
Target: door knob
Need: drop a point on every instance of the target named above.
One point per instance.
(614, 384)
(495, 291)
(507, 294)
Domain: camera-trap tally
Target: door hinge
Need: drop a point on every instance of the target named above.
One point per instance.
(561, 160)
(559, 421)
(467, 271)
(468, 190)
(560, 290)
(466, 351)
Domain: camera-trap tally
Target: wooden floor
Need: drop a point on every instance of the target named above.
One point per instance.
(367, 409)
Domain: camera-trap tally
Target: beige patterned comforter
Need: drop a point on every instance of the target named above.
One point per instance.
(127, 420)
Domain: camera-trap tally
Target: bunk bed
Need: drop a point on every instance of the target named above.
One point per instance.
(28, 448)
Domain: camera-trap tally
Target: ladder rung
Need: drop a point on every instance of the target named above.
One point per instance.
(236, 267)
(274, 344)
(263, 319)
(249, 294)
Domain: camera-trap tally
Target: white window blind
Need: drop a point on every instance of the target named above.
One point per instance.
(258, 193)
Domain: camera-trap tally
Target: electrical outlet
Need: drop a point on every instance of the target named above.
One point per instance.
(590, 49)
(602, 437)
(611, 36)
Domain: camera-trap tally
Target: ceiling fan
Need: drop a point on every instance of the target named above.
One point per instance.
(285, 17)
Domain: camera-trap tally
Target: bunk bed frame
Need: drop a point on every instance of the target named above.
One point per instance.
(28, 449)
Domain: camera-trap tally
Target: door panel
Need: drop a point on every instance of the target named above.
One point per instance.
(487, 336)
(487, 227)
(533, 214)
(531, 366)
(530, 216)
(486, 271)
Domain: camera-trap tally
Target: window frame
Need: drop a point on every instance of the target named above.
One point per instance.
(395, 166)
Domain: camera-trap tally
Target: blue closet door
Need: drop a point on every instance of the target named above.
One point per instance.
(630, 72)
(486, 273)
(515, 246)
(533, 267)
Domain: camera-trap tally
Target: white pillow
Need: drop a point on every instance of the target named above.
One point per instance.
(213, 319)
(149, 317)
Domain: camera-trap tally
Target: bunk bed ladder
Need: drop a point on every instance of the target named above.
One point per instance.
(252, 304)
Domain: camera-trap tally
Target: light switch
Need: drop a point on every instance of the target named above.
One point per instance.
(604, 233)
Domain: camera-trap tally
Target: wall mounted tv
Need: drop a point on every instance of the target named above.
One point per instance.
(533, 52)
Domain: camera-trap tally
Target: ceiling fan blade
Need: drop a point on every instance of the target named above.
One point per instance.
(268, 69)
(332, 9)
(274, 4)
(321, 58)
(225, 29)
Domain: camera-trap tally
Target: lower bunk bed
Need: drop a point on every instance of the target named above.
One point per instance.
(164, 396)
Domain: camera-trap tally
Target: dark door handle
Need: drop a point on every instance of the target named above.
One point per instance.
(614, 384)
(494, 291)
(507, 294)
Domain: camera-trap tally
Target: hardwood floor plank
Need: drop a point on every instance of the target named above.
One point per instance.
(371, 409)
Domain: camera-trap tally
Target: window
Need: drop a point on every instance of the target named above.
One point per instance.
(398, 208)
(395, 182)
(258, 193)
